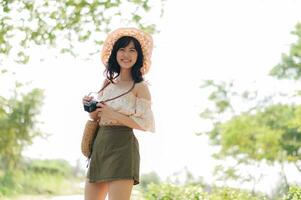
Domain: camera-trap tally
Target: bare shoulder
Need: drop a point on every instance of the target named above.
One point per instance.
(142, 90)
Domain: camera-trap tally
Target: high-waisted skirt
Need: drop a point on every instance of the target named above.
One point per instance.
(115, 155)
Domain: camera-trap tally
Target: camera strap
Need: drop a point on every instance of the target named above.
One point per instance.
(107, 82)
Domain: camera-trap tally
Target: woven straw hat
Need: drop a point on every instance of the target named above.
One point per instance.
(144, 39)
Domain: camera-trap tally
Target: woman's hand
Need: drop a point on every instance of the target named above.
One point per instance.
(106, 111)
(93, 115)
(86, 99)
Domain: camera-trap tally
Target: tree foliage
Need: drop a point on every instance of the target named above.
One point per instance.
(18, 125)
(294, 193)
(62, 22)
(290, 65)
(272, 134)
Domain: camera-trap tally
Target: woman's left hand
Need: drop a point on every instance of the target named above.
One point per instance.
(106, 111)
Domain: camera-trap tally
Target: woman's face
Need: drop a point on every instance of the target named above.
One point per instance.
(127, 56)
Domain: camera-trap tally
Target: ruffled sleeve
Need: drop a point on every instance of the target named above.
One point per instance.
(143, 115)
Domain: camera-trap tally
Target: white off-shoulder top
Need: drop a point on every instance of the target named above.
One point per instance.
(136, 108)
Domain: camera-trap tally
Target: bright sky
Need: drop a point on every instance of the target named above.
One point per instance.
(222, 40)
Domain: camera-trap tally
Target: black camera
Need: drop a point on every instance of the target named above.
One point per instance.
(90, 106)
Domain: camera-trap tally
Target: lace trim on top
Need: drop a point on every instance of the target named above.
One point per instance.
(138, 109)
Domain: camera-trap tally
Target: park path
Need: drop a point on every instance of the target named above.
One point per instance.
(70, 197)
(135, 196)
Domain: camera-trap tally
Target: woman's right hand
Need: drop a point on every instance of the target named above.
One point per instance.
(86, 99)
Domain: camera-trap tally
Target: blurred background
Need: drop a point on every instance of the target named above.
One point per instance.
(225, 85)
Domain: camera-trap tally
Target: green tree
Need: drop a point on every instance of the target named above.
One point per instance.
(265, 132)
(260, 129)
(269, 134)
(18, 125)
(290, 68)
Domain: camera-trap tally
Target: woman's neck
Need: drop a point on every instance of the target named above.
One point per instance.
(125, 76)
(123, 82)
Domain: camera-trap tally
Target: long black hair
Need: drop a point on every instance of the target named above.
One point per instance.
(113, 69)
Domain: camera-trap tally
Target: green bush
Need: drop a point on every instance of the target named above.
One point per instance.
(227, 193)
(38, 177)
(147, 178)
(7, 182)
(54, 167)
(173, 192)
(294, 193)
(195, 192)
(42, 183)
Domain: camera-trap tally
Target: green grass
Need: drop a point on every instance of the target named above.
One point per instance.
(40, 178)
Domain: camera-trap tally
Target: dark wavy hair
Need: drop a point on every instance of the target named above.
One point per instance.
(113, 68)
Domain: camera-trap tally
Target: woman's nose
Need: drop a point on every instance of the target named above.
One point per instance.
(126, 54)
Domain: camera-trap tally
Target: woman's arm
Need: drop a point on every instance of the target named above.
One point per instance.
(107, 111)
(94, 116)
(141, 91)
(127, 121)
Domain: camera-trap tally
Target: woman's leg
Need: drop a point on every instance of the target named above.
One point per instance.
(96, 191)
(120, 189)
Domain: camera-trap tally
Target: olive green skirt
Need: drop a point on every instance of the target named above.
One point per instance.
(115, 155)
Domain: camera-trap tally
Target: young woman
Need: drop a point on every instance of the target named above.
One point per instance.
(115, 159)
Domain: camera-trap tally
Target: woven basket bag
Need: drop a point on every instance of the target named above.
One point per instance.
(90, 132)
